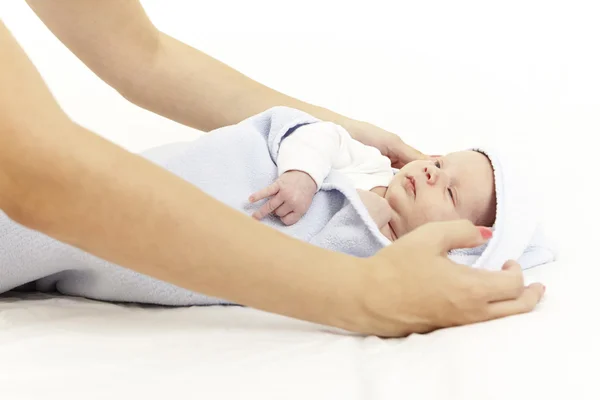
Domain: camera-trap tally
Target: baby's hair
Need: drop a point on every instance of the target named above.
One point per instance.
(494, 213)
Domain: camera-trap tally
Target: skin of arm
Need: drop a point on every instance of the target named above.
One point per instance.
(63, 180)
(117, 40)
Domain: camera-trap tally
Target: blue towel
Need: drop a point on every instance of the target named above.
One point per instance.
(229, 164)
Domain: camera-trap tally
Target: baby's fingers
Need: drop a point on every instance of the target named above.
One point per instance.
(291, 218)
(284, 209)
(270, 190)
(268, 207)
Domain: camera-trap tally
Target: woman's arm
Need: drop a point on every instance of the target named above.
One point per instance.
(61, 179)
(117, 41)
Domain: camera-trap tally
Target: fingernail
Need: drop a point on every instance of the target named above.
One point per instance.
(486, 233)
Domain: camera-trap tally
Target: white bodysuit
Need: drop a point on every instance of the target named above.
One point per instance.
(318, 148)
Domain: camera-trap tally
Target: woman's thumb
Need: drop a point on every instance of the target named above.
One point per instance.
(457, 234)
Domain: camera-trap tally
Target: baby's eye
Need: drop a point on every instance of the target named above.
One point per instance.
(451, 195)
(437, 164)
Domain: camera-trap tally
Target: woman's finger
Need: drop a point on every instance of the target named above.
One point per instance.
(268, 207)
(526, 302)
(507, 284)
(449, 235)
(401, 153)
(269, 191)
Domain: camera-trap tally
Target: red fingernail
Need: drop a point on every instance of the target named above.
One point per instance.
(486, 233)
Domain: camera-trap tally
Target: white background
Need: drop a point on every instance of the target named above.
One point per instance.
(442, 74)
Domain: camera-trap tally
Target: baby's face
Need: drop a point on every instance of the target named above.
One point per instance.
(456, 186)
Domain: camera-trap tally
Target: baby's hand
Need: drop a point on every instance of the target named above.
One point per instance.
(292, 195)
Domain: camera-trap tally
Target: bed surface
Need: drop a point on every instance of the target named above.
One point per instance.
(64, 348)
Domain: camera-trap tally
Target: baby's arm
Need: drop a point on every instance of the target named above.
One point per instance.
(304, 160)
(312, 149)
(319, 148)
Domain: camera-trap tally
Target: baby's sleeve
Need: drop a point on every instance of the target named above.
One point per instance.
(313, 149)
(320, 147)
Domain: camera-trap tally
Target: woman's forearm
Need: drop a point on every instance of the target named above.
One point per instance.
(197, 90)
(117, 40)
(85, 191)
(61, 179)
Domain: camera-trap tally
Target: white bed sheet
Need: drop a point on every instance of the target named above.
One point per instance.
(66, 348)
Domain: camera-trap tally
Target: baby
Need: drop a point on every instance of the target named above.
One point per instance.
(322, 187)
(456, 186)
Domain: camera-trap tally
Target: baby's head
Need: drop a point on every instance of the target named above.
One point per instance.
(456, 186)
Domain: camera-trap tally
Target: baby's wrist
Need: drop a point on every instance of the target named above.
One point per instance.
(305, 175)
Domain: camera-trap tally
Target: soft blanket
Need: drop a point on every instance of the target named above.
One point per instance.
(229, 164)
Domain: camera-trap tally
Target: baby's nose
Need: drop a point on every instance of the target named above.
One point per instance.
(432, 174)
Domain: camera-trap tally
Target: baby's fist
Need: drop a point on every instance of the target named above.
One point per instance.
(291, 196)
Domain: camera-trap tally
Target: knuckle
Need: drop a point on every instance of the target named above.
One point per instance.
(464, 309)
(485, 314)
(531, 301)
(293, 194)
(477, 315)
(520, 282)
(517, 280)
(471, 288)
(471, 307)
(475, 292)
(286, 193)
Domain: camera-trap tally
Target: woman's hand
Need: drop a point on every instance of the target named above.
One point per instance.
(412, 287)
(389, 144)
(291, 196)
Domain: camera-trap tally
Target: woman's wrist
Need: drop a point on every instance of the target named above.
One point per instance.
(320, 286)
(343, 304)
